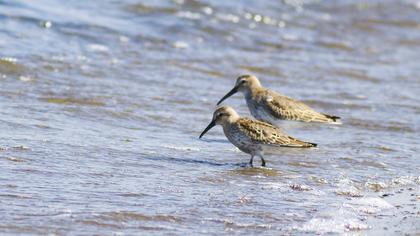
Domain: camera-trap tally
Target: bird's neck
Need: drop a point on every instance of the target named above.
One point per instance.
(231, 120)
(251, 92)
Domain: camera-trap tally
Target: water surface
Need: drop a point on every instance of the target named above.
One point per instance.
(102, 102)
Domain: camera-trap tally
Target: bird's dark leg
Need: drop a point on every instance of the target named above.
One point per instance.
(260, 153)
(262, 160)
(250, 161)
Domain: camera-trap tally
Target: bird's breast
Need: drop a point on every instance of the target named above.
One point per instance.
(258, 111)
(240, 140)
(253, 108)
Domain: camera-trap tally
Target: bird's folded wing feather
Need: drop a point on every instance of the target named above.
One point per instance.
(283, 107)
(264, 133)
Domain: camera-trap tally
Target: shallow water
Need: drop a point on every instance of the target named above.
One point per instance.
(102, 103)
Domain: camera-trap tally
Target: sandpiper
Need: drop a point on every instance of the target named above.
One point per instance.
(252, 136)
(269, 106)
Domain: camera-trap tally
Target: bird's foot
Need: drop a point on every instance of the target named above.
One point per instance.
(262, 162)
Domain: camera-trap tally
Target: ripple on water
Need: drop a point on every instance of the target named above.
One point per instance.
(15, 196)
(349, 191)
(140, 8)
(231, 224)
(134, 195)
(401, 181)
(396, 23)
(10, 66)
(191, 67)
(256, 171)
(262, 70)
(356, 75)
(343, 46)
(127, 216)
(74, 101)
(142, 75)
(366, 162)
(16, 159)
(306, 164)
(300, 187)
(379, 126)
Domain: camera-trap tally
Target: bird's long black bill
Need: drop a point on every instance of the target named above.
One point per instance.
(231, 92)
(211, 125)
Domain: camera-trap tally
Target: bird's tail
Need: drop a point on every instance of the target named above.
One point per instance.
(334, 119)
(308, 144)
(301, 144)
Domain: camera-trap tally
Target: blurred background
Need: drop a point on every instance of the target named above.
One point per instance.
(102, 102)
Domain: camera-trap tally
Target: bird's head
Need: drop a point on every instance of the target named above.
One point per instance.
(244, 84)
(222, 115)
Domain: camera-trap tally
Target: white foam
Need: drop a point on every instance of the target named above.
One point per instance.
(98, 48)
(377, 203)
(334, 221)
(189, 15)
(180, 45)
(182, 148)
(8, 59)
(346, 218)
(275, 186)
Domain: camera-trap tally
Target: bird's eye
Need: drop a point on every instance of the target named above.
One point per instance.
(243, 82)
(220, 114)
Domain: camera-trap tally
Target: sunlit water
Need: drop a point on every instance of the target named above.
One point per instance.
(102, 102)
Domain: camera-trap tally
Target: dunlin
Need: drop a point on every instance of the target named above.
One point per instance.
(252, 136)
(269, 106)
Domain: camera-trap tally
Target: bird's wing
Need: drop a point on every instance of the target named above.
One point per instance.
(264, 133)
(283, 107)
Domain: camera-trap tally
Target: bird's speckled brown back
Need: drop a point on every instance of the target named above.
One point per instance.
(264, 133)
(268, 105)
